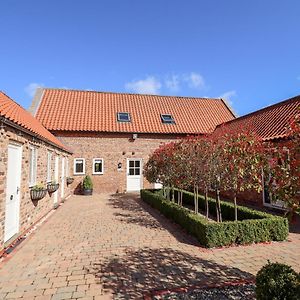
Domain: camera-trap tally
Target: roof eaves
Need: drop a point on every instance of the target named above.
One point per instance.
(29, 132)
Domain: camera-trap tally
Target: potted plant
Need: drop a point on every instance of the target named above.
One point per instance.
(38, 192)
(87, 185)
(52, 186)
(70, 180)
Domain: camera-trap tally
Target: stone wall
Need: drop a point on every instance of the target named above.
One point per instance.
(29, 212)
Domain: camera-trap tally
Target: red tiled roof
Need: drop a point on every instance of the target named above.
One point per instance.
(72, 110)
(270, 122)
(13, 112)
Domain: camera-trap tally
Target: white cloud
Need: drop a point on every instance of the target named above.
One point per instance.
(228, 96)
(194, 80)
(149, 85)
(173, 82)
(31, 88)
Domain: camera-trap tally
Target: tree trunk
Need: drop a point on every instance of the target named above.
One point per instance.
(217, 206)
(173, 194)
(168, 193)
(235, 207)
(181, 195)
(206, 203)
(195, 199)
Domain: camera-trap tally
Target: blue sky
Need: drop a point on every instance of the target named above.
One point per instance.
(246, 51)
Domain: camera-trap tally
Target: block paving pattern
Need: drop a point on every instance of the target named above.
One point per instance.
(117, 247)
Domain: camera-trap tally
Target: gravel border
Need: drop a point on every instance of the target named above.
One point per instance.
(236, 292)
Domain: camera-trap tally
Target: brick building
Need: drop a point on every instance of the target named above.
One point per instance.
(270, 123)
(30, 154)
(111, 135)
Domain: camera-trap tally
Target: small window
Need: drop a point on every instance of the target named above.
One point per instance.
(79, 166)
(123, 117)
(32, 165)
(167, 119)
(49, 166)
(97, 166)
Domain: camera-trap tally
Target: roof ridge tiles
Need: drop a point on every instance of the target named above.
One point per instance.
(132, 94)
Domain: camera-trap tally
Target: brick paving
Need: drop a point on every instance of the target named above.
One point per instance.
(105, 247)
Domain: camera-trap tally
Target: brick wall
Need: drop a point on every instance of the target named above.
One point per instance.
(113, 148)
(29, 212)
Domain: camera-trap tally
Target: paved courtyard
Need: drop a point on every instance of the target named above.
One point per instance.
(105, 247)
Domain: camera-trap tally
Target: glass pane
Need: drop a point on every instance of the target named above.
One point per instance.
(137, 163)
(79, 167)
(124, 117)
(98, 167)
(137, 171)
(131, 163)
(167, 117)
(131, 171)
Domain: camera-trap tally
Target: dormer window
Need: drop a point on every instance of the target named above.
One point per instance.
(123, 117)
(167, 119)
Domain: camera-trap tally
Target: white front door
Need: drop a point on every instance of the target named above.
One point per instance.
(62, 177)
(13, 183)
(56, 177)
(134, 174)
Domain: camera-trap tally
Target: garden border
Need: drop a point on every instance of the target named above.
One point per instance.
(252, 227)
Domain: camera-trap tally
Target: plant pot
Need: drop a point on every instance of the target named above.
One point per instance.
(52, 187)
(70, 180)
(37, 195)
(87, 192)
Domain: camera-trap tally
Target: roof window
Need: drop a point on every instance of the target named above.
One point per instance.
(123, 117)
(167, 119)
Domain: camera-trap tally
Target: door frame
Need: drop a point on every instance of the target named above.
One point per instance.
(141, 172)
(18, 181)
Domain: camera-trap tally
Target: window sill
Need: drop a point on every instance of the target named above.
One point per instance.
(98, 173)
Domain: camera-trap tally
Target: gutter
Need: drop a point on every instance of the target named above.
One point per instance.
(35, 135)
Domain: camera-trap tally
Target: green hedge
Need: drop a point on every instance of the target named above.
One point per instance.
(256, 227)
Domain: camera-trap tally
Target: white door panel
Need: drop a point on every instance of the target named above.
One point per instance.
(13, 185)
(134, 174)
(62, 177)
(56, 177)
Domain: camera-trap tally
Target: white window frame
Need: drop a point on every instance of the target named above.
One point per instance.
(94, 161)
(33, 155)
(49, 166)
(79, 173)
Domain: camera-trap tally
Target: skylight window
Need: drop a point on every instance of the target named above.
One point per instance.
(123, 117)
(167, 119)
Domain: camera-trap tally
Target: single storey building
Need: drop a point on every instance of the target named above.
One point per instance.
(29, 155)
(271, 124)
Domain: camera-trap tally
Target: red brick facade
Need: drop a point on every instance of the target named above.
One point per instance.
(29, 212)
(114, 149)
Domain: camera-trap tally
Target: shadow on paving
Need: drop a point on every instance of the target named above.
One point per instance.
(136, 272)
(135, 211)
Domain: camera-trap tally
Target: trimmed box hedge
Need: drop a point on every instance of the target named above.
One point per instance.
(252, 227)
